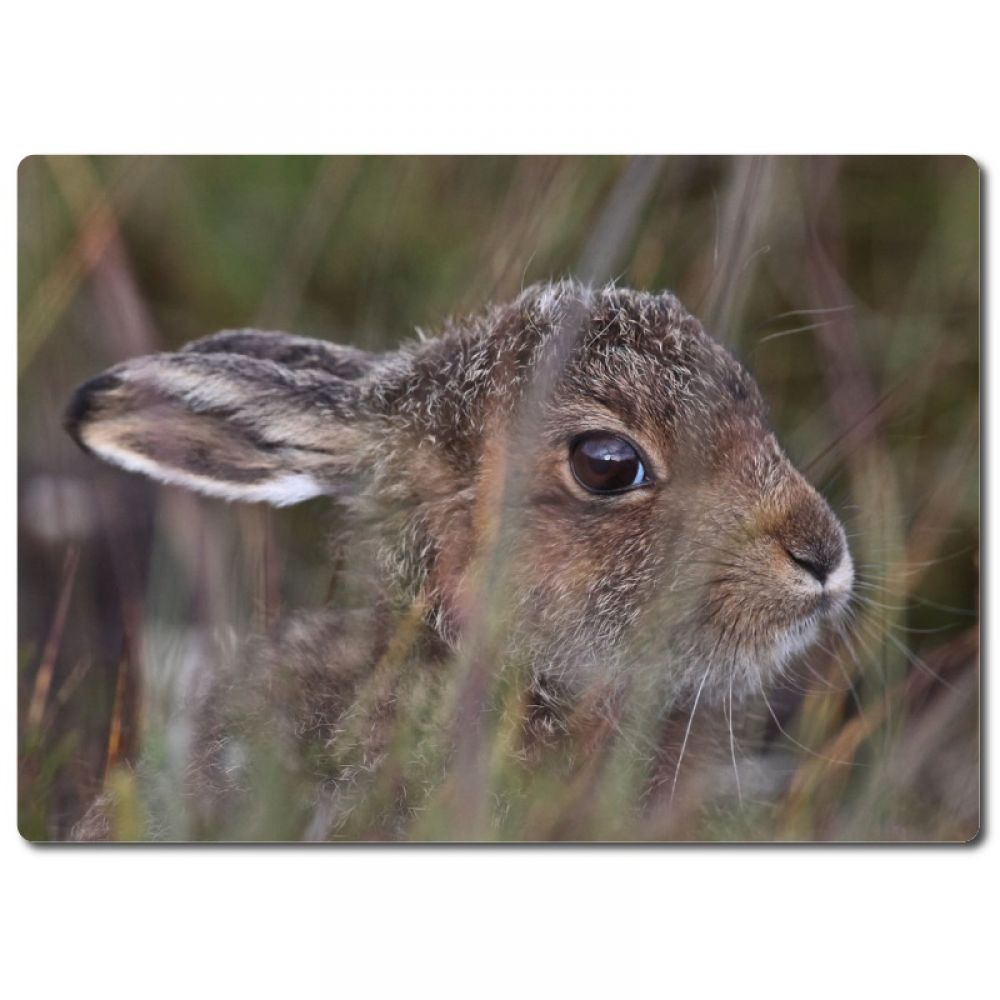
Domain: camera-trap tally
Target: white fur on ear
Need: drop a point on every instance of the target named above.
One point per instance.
(282, 491)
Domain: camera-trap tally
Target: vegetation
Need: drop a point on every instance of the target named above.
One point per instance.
(850, 287)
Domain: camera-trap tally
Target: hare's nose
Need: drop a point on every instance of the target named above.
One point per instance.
(818, 564)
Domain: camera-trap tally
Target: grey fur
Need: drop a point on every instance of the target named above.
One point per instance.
(450, 458)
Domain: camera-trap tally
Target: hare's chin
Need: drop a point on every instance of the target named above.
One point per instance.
(793, 640)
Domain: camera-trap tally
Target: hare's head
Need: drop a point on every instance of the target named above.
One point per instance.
(591, 460)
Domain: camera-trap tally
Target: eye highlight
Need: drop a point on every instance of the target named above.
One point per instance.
(606, 463)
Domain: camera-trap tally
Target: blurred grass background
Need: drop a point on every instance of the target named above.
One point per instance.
(850, 287)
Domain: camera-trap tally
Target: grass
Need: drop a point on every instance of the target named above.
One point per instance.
(850, 287)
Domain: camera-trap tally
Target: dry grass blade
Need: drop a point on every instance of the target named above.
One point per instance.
(95, 210)
(50, 653)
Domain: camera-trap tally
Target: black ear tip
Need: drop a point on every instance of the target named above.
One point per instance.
(82, 405)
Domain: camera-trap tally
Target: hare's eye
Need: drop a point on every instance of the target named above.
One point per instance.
(604, 463)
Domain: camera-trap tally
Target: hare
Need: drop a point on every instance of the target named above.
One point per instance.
(587, 464)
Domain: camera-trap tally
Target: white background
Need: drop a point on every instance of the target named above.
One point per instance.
(504, 76)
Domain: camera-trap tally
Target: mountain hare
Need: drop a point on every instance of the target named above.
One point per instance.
(581, 482)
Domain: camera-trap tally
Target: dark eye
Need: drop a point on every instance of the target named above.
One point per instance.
(604, 463)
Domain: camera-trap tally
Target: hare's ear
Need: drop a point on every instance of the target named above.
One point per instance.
(288, 350)
(225, 424)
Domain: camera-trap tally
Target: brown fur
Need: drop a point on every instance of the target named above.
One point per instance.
(451, 458)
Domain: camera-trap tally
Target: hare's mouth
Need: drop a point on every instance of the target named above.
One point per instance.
(824, 604)
(790, 618)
